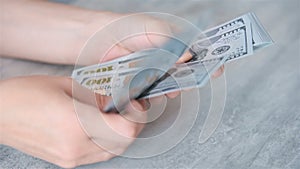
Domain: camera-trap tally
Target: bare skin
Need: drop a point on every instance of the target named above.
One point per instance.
(37, 112)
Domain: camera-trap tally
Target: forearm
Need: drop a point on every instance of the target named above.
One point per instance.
(6, 96)
(45, 31)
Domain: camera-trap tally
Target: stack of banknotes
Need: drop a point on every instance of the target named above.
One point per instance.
(227, 42)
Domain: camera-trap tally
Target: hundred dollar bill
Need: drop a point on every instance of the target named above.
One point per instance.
(129, 61)
(197, 73)
(123, 64)
(188, 75)
(154, 66)
(126, 62)
(227, 42)
(260, 38)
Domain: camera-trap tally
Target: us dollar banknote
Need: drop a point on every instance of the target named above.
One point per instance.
(216, 49)
(230, 41)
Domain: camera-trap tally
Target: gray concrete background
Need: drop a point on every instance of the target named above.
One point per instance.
(261, 121)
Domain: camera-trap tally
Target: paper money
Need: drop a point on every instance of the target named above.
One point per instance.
(196, 73)
(188, 75)
(230, 41)
(259, 36)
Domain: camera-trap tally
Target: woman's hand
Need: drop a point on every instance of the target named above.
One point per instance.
(56, 33)
(38, 117)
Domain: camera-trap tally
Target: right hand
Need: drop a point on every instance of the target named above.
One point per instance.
(146, 32)
(38, 117)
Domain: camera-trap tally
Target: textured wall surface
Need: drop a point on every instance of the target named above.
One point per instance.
(261, 121)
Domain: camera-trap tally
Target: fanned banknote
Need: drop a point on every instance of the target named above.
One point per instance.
(235, 39)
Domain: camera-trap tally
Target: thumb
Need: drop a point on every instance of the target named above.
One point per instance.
(135, 112)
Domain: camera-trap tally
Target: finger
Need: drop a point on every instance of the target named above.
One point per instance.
(185, 57)
(157, 99)
(109, 131)
(145, 103)
(172, 95)
(118, 50)
(219, 72)
(124, 125)
(135, 113)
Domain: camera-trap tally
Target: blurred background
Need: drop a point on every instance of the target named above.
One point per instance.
(261, 121)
